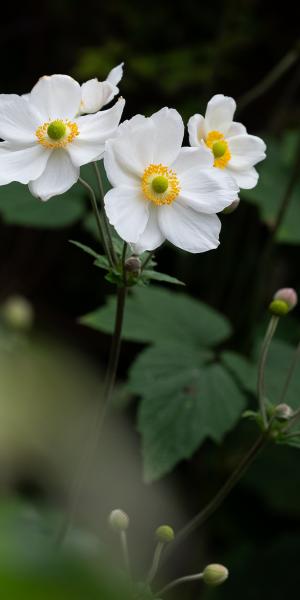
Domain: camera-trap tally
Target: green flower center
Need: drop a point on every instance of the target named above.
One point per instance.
(159, 184)
(56, 130)
(219, 149)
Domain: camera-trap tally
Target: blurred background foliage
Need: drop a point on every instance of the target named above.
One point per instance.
(51, 365)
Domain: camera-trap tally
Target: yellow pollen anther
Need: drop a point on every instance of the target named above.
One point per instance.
(57, 133)
(219, 146)
(160, 184)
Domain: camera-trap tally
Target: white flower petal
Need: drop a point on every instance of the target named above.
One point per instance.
(246, 151)
(189, 158)
(187, 229)
(219, 114)
(207, 190)
(127, 211)
(115, 75)
(18, 121)
(129, 153)
(56, 97)
(94, 131)
(169, 132)
(152, 236)
(196, 130)
(245, 179)
(8, 97)
(236, 129)
(58, 177)
(95, 94)
(22, 164)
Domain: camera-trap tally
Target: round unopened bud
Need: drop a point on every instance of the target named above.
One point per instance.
(133, 265)
(278, 308)
(215, 574)
(17, 312)
(287, 295)
(118, 519)
(283, 412)
(232, 207)
(165, 534)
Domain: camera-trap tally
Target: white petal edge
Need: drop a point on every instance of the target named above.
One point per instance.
(22, 165)
(245, 179)
(58, 177)
(196, 129)
(246, 150)
(116, 74)
(127, 211)
(18, 121)
(56, 97)
(95, 94)
(208, 190)
(219, 114)
(236, 129)
(189, 230)
(190, 158)
(152, 236)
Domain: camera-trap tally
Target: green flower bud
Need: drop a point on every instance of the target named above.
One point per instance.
(160, 184)
(17, 312)
(279, 308)
(287, 295)
(119, 520)
(165, 534)
(56, 130)
(215, 574)
(133, 265)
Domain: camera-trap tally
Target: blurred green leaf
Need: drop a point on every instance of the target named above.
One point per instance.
(157, 276)
(158, 315)
(275, 173)
(184, 401)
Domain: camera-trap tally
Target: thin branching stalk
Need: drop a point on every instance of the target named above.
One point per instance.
(155, 563)
(100, 226)
(179, 581)
(290, 374)
(105, 221)
(262, 367)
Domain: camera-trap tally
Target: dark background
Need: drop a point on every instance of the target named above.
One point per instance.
(177, 55)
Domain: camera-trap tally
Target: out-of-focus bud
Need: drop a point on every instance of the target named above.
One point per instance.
(287, 295)
(17, 312)
(231, 208)
(215, 574)
(119, 520)
(283, 302)
(283, 412)
(165, 534)
(133, 265)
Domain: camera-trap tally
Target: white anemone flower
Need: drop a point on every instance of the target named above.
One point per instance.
(96, 94)
(232, 147)
(161, 190)
(45, 143)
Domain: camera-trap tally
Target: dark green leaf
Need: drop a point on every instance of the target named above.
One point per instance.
(184, 401)
(156, 275)
(158, 315)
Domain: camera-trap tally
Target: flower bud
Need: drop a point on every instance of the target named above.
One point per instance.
(119, 520)
(215, 574)
(165, 534)
(17, 313)
(232, 207)
(287, 295)
(133, 265)
(283, 412)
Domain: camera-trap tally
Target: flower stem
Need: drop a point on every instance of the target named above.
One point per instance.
(155, 563)
(214, 504)
(105, 221)
(101, 231)
(124, 546)
(178, 581)
(261, 367)
(97, 422)
(147, 260)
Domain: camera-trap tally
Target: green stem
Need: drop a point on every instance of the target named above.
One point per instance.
(261, 367)
(155, 563)
(214, 504)
(98, 420)
(106, 224)
(146, 261)
(101, 231)
(179, 581)
(125, 552)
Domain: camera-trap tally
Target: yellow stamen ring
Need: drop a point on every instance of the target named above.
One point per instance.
(160, 184)
(57, 133)
(219, 146)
